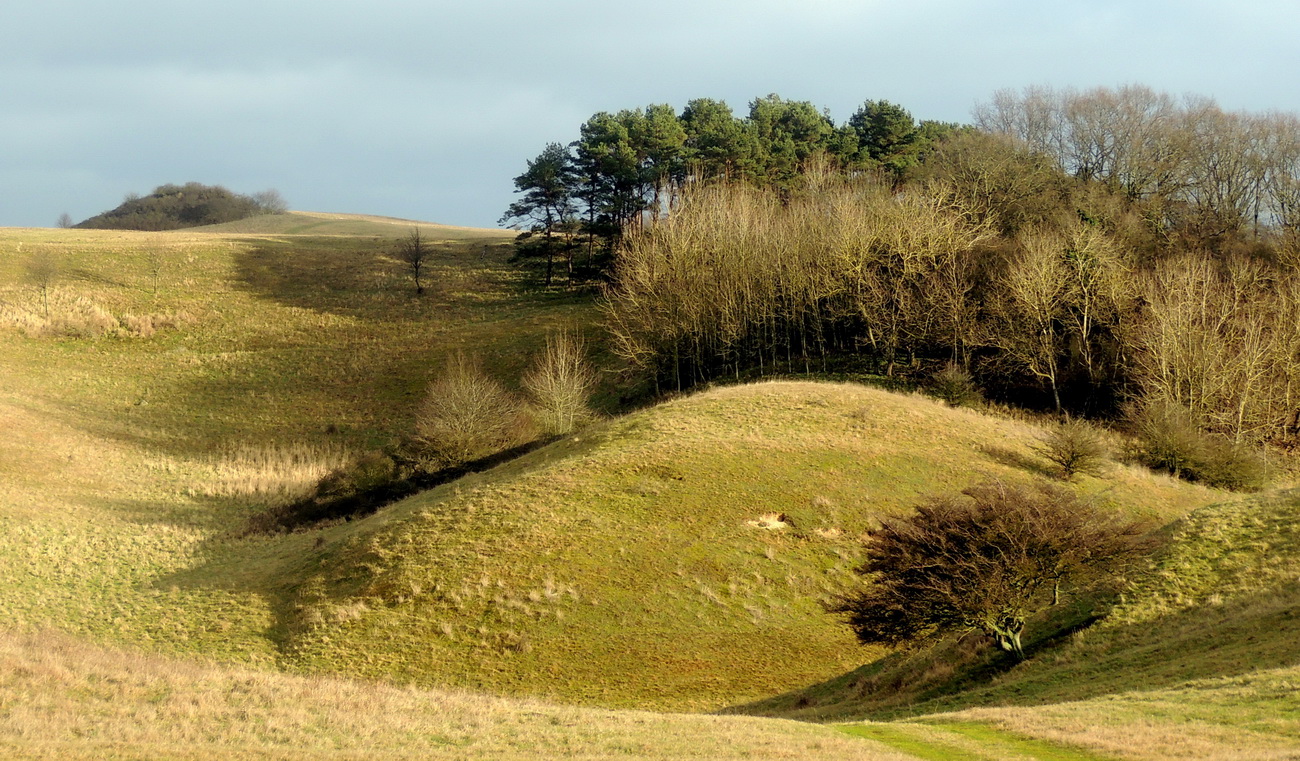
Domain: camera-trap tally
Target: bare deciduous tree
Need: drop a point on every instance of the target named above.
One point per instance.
(560, 383)
(41, 269)
(415, 252)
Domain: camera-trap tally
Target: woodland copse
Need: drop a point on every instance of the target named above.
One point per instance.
(174, 207)
(1092, 252)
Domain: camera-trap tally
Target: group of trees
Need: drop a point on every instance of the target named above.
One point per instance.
(172, 207)
(634, 165)
(1049, 281)
(1209, 177)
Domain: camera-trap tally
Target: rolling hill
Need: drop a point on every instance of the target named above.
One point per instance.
(673, 558)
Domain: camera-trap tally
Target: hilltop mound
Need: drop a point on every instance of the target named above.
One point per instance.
(174, 207)
(675, 558)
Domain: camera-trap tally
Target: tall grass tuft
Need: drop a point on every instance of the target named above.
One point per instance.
(276, 472)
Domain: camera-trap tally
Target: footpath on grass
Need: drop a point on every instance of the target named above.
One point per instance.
(965, 741)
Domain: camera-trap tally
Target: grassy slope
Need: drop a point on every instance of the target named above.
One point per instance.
(622, 568)
(617, 569)
(116, 473)
(1200, 661)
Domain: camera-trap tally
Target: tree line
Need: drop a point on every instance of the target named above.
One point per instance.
(634, 165)
(1066, 282)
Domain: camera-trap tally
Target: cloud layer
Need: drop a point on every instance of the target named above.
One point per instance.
(427, 110)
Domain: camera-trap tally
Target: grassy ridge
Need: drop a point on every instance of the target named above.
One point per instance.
(633, 566)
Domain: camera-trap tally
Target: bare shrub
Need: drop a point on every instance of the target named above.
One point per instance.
(1169, 438)
(466, 415)
(1075, 447)
(560, 383)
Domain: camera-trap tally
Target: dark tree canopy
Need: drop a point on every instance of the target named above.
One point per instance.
(985, 562)
(547, 202)
(633, 165)
(172, 207)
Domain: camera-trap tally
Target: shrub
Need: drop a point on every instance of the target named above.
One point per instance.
(985, 563)
(1074, 447)
(466, 415)
(1169, 439)
(1228, 465)
(955, 386)
(560, 384)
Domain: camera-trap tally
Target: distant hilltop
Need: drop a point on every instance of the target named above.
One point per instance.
(173, 207)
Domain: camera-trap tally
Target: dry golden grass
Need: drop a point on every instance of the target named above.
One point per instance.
(275, 472)
(61, 699)
(1248, 718)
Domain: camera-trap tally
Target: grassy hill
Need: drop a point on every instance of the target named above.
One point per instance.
(673, 558)
(638, 565)
(1199, 660)
(323, 223)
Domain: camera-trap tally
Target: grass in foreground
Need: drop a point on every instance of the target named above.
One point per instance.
(60, 699)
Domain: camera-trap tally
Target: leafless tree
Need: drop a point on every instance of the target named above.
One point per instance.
(415, 253)
(41, 269)
(560, 383)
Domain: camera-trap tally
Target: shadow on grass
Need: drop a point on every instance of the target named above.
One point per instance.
(363, 278)
(1014, 459)
(1070, 659)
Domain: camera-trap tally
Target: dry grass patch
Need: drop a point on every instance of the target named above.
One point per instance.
(62, 699)
(275, 472)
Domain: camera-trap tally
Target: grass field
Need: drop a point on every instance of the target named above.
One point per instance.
(672, 559)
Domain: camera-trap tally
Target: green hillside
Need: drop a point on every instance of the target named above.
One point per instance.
(322, 223)
(1201, 655)
(641, 564)
(181, 384)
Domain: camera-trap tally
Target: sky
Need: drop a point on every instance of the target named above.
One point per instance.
(428, 109)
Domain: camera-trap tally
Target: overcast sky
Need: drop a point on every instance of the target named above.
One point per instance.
(427, 110)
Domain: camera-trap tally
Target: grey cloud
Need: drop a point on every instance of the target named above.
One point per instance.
(429, 109)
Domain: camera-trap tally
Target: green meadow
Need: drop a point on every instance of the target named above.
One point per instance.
(632, 590)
